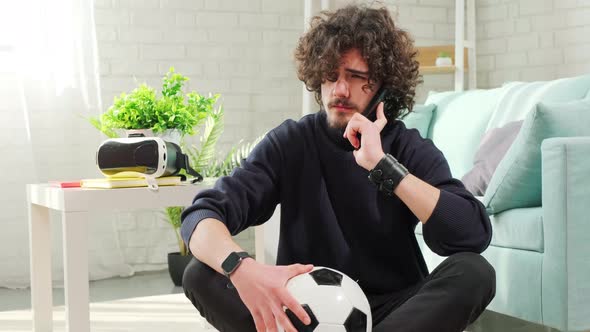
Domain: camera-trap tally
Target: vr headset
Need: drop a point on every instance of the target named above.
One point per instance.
(148, 157)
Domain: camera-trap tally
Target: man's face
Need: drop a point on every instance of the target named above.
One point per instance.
(343, 93)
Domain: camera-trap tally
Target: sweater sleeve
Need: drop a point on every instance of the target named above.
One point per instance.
(247, 197)
(459, 221)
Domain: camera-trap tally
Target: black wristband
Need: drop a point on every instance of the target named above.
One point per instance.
(387, 174)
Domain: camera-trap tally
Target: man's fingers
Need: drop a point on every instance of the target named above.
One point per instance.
(297, 269)
(290, 302)
(354, 123)
(269, 320)
(283, 320)
(381, 119)
(258, 322)
(380, 113)
(351, 131)
(352, 138)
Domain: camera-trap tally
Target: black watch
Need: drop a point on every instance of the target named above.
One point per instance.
(231, 263)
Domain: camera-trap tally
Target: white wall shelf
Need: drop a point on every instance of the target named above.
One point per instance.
(462, 52)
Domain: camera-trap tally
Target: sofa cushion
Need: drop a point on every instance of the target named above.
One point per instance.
(492, 148)
(516, 228)
(459, 122)
(522, 97)
(420, 118)
(517, 180)
(519, 229)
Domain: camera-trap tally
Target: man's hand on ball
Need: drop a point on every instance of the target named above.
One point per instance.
(368, 151)
(263, 290)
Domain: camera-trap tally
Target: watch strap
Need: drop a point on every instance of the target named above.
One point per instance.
(243, 254)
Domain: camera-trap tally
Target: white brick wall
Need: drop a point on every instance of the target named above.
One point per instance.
(531, 40)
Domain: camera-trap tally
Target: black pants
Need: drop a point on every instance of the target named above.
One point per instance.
(448, 299)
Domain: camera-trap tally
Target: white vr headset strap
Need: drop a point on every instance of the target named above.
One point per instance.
(152, 183)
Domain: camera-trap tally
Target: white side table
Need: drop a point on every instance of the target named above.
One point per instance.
(74, 204)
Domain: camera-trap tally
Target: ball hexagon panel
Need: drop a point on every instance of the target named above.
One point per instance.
(356, 321)
(299, 324)
(324, 276)
(328, 303)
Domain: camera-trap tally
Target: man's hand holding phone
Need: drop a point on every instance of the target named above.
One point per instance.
(368, 151)
(263, 290)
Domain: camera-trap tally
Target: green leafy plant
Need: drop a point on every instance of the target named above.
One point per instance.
(173, 217)
(444, 55)
(143, 109)
(232, 159)
(201, 158)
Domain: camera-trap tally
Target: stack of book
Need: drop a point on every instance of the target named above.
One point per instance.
(117, 182)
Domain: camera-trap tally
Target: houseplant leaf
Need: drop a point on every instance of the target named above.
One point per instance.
(213, 130)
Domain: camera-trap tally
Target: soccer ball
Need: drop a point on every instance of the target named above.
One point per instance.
(333, 301)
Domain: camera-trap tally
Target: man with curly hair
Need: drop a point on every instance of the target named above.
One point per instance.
(331, 214)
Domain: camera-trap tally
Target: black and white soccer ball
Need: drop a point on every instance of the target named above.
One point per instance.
(333, 301)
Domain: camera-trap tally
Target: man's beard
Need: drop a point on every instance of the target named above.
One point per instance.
(339, 121)
(336, 131)
(336, 121)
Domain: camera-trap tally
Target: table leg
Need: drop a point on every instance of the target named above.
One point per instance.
(76, 288)
(40, 266)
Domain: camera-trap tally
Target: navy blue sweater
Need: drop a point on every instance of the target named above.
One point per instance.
(331, 215)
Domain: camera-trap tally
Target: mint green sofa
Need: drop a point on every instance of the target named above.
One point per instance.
(540, 247)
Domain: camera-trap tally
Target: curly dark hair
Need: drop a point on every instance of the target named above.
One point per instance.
(388, 50)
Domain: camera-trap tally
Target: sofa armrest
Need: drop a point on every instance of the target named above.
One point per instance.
(566, 228)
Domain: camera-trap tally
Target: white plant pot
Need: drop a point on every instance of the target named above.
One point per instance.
(442, 62)
(170, 135)
(139, 132)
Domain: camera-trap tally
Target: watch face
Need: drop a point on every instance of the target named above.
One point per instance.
(230, 263)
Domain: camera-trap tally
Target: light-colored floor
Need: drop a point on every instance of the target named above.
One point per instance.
(172, 312)
(148, 302)
(140, 285)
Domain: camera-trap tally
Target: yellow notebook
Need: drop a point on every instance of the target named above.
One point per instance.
(120, 182)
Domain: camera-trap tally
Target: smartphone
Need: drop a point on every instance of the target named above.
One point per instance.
(372, 107)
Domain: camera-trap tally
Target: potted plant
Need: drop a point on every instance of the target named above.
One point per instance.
(177, 261)
(173, 113)
(444, 59)
(199, 159)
